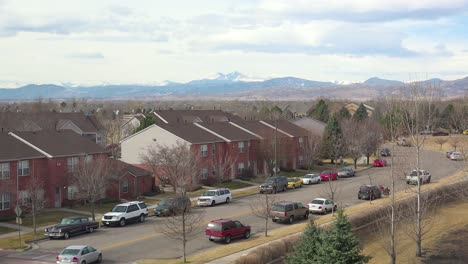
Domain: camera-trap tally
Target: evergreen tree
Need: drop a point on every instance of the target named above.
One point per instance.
(361, 113)
(305, 251)
(344, 113)
(446, 116)
(333, 144)
(340, 245)
(319, 111)
(146, 122)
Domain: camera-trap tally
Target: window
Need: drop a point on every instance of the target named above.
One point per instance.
(72, 190)
(23, 198)
(23, 168)
(213, 148)
(301, 142)
(204, 150)
(4, 171)
(132, 208)
(240, 145)
(248, 146)
(301, 160)
(204, 174)
(88, 159)
(5, 201)
(125, 186)
(72, 163)
(213, 171)
(240, 168)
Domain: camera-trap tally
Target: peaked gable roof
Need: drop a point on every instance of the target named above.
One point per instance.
(182, 116)
(228, 131)
(190, 133)
(14, 149)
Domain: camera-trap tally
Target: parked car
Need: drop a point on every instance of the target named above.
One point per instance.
(321, 206)
(427, 132)
(385, 152)
(124, 213)
(274, 184)
(439, 133)
(424, 177)
(456, 155)
(465, 132)
(311, 178)
(403, 142)
(80, 255)
(369, 192)
(448, 153)
(72, 225)
(213, 197)
(379, 163)
(172, 206)
(287, 211)
(294, 183)
(328, 175)
(346, 172)
(226, 229)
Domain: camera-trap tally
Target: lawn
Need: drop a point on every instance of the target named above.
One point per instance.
(13, 242)
(233, 185)
(98, 209)
(44, 218)
(4, 230)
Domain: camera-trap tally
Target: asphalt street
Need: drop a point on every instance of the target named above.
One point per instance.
(146, 240)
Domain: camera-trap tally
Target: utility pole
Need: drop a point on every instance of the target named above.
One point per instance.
(276, 142)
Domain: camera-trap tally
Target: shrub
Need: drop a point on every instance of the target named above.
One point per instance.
(210, 181)
(149, 193)
(109, 200)
(287, 169)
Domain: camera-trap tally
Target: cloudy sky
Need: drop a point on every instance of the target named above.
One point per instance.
(115, 41)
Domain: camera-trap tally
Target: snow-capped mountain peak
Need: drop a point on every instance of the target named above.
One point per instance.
(235, 77)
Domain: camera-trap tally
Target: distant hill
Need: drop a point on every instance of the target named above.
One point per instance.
(230, 86)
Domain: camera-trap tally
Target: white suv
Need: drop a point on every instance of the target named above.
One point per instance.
(213, 197)
(121, 214)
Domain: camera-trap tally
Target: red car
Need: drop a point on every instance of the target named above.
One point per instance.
(379, 163)
(329, 174)
(226, 229)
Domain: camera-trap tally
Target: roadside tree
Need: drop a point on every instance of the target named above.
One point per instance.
(260, 206)
(36, 200)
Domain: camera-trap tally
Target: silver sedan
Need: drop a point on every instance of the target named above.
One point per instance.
(80, 255)
(311, 178)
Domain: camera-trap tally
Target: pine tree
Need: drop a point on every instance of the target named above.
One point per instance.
(344, 113)
(340, 245)
(319, 111)
(361, 113)
(333, 144)
(305, 251)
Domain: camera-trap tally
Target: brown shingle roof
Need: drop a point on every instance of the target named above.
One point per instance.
(191, 133)
(180, 116)
(13, 149)
(138, 172)
(258, 128)
(228, 131)
(289, 128)
(63, 143)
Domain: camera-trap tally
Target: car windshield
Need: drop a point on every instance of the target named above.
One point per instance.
(325, 172)
(210, 193)
(278, 207)
(70, 251)
(364, 188)
(317, 201)
(415, 173)
(165, 202)
(119, 209)
(292, 180)
(214, 226)
(68, 221)
(270, 180)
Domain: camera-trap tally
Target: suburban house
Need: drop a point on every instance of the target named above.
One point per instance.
(85, 125)
(314, 126)
(220, 138)
(352, 108)
(129, 182)
(129, 123)
(48, 157)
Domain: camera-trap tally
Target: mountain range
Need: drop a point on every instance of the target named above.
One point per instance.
(231, 86)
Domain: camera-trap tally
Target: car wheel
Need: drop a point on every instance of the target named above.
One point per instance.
(66, 235)
(122, 222)
(429, 180)
(210, 239)
(359, 197)
(247, 234)
(273, 220)
(407, 182)
(227, 200)
(142, 218)
(90, 229)
(291, 219)
(213, 203)
(284, 188)
(274, 189)
(83, 262)
(99, 258)
(300, 186)
(306, 216)
(227, 239)
(334, 208)
(51, 238)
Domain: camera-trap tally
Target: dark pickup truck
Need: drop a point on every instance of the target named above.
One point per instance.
(71, 225)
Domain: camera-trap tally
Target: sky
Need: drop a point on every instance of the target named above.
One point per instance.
(150, 41)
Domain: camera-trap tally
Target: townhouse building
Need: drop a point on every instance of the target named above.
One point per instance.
(220, 138)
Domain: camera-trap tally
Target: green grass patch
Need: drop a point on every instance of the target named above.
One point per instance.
(13, 242)
(98, 208)
(233, 185)
(4, 230)
(45, 218)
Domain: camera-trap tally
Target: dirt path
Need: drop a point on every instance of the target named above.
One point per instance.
(444, 242)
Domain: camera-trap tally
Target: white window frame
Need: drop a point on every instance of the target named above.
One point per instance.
(240, 168)
(23, 197)
(71, 191)
(72, 163)
(88, 159)
(300, 160)
(213, 171)
(204, 150)
(213, 148)
(301, 142)
(23, 170)
(125, 185)
(4, 199)
(241, 147)
(248, 146)
(204, 174)
(5, 171)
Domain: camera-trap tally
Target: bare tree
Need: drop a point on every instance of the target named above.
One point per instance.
(260, 206)
(441, 141)
(354, 138)
(312, 148)
(36, 199)
(331, 191)
(266, 153)
(373, 137)
(224, 163)
(113, 135)
(177, 165)
(91, 179)
(454, 142)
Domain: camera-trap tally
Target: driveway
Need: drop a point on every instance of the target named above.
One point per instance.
(146, 240)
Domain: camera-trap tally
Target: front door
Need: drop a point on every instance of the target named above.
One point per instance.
(58, 197)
